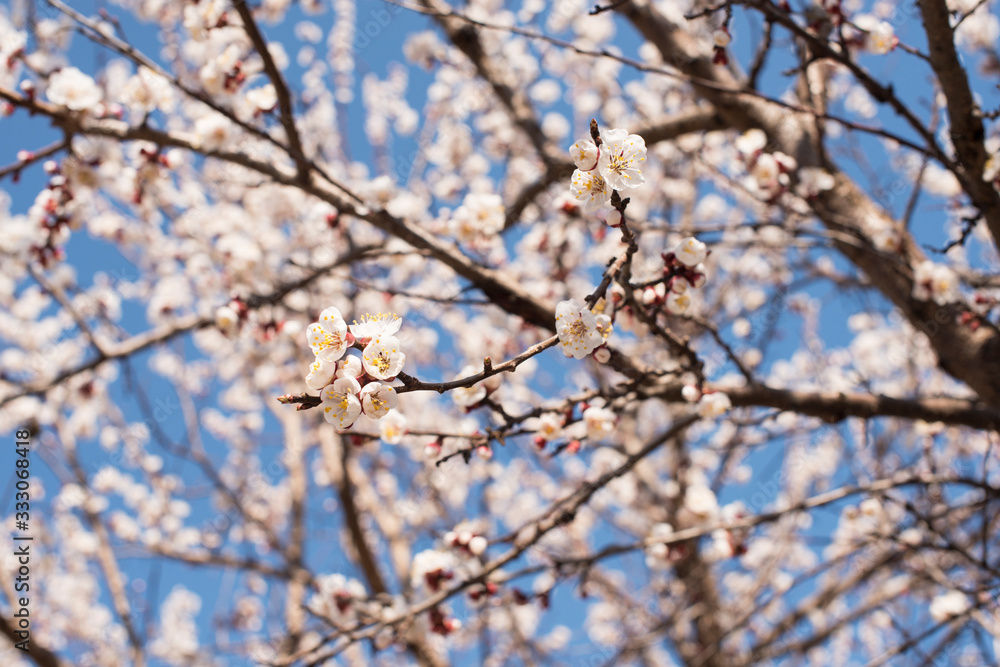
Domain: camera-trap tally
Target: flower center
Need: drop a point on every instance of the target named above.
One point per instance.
(381, 363)
(619, 163)
(331, 340)
(578, 329)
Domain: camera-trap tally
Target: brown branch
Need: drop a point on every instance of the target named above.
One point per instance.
(34, 156)
(561, 513)
(964, 114)
(465, 37)
(835, 406)
(179, 327)
(280, 87)
(41, 655)
(971, 356)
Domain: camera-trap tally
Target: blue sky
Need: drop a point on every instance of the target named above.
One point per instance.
(387, 29)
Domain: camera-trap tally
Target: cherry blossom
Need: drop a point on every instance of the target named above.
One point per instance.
(341, 406)
(600, 422)
(879, 36)
(321, 373)
(657, 553)
(328, 337)
(481, 214)
(431, 569)
(622, 155)
(577, 329)
(812, 243)
(691, 252)
(378, 399)
(350, 367)
(73, 89)
(584, 154)
(590, 188)
(947, 605)
(264, 98)
(337, 597)
(678, 304)
(382, 358)
(934, 282)
(714, 404)
(373, 326)
(392, 427)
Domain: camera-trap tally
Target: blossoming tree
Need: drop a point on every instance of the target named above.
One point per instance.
(657, 332)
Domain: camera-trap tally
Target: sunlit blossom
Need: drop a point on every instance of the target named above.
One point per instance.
(73, 89)
(382, 358)
(379, 324)
(622, 155)
(590, 188)
(328, 337)
(577, 329)
(378, 399)
(340, 404)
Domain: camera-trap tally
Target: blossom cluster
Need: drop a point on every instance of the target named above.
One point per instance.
(597, 422)
(580, 331)
(611, 164)
(770, 174)
(861, 31)
(352, 386)
(683, 270)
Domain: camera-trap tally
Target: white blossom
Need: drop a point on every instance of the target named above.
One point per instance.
(378, 399)
(481, 214)
(700, 500)
(691, 393)
(340, 404)
(934, 282)
(814, 180)
(691, 252)
(349, 367)
(392, 427)
(328, 337)
(622, 155)
(947, 605)
(264, 98)
(600, 422)
(372, 326)
(714, 404)
(590, 188)
(226, 318)
(678, 304)
(577, 329)
(880, 36)
(337, 596)
(147, 91)
(382, 358)
(585, 154)
(213, 131)
(321, 373)
(431, 568)
(73, 89)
